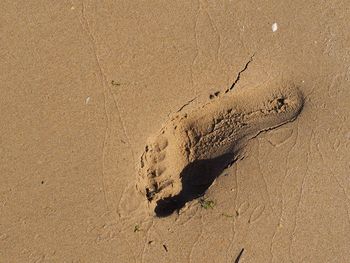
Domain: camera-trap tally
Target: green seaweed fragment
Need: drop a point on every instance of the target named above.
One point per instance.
(207, 203)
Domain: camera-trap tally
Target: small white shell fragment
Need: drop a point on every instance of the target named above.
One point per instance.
(87, 100)
(274, 27)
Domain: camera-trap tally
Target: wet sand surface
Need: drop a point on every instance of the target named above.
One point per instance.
(84, 84)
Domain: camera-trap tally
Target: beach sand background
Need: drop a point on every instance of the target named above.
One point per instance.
(83, 84)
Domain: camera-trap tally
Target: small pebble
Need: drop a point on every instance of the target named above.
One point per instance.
(274, 27)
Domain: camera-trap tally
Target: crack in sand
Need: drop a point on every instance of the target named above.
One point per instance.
(264, 180)
(282, 187)
(196, 48)
(301, 191)
(107, 93)
(239, 74)
(186, 104)
(86, 28)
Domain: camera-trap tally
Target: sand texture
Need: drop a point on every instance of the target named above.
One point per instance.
(175, 131)
(193, 148)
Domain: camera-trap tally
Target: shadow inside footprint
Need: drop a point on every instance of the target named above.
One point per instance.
(196, 179)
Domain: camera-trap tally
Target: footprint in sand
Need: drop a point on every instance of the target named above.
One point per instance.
(194, 147)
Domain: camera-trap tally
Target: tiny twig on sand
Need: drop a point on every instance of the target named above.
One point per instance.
(239, 256)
